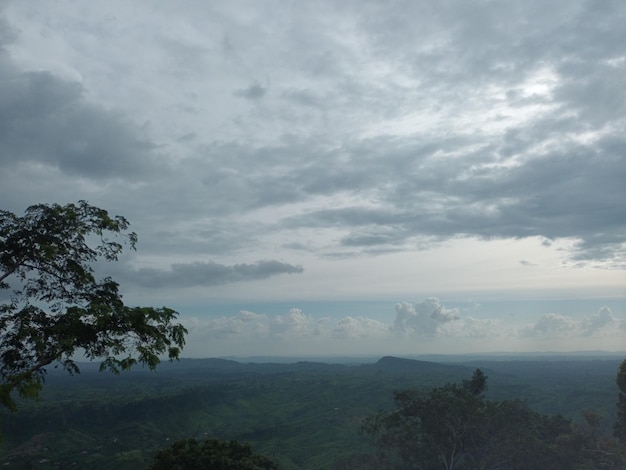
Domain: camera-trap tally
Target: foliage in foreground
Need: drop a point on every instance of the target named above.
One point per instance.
(454, 427)
(619, 430)
(57, 307)
(217, 455)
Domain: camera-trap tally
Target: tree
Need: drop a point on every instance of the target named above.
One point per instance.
(454, 427)
(436, 429)
(619, 430)
(210, 454)
(56, 306)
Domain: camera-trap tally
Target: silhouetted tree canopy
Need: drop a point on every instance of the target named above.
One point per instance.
(210, 454)
(54, 307)
(620, 422)
(454, 427)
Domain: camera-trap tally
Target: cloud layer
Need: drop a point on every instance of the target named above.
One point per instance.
(207, 274)
(415, 328)
(318, 137)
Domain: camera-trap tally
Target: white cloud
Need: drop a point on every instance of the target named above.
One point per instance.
(595, 323)
(294, 325)
(469, 327)
(552, 325)
(422, 318)
(243, 325)
(418, 327)
(599, 325)
(360, 327)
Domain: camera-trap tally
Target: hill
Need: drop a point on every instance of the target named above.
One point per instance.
(305, 414)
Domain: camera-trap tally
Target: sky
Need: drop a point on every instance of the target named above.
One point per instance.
(324, 177)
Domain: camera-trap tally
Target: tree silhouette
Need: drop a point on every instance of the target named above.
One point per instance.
(57, 307)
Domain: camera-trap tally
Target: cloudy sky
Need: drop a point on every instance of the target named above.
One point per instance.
(324, 177)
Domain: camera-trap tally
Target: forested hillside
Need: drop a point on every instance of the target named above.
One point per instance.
(303, 415)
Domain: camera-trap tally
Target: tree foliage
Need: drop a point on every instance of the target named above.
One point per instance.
(432, 430)
(455, 427)
(210, 454)
(56, 307)
(620, 423)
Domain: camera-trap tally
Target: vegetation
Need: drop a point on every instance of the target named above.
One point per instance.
(211, 454)
(454, 427)
(57, 307)
(620, 423)
(302, 416)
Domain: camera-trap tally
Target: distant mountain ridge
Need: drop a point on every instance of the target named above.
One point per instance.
(432, 364)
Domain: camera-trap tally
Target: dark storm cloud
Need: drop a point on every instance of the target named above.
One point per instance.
(575, 191)
(46, 120)
(209, 274)
(366, 239)
(253, 92)
(7, 34)
(303, 98)
(520, 111)
(566, 196)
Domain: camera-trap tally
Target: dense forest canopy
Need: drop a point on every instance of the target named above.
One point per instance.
(303, 415)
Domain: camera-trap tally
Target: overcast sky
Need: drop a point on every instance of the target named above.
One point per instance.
(304, 158)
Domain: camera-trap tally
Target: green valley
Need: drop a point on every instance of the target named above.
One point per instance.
(303, 415)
